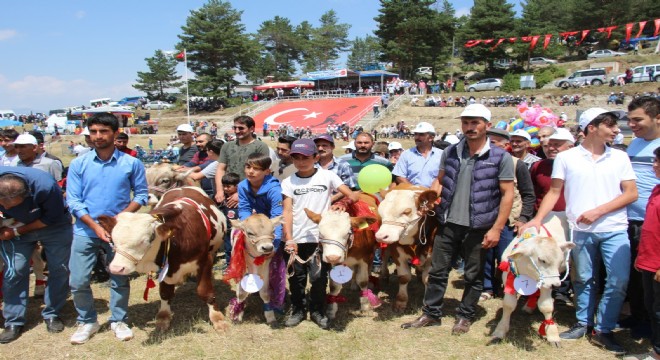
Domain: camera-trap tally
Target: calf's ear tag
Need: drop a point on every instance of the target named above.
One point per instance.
(363, 225)
(341, 274)
(163, 272)
(525, 285)
(252, 283)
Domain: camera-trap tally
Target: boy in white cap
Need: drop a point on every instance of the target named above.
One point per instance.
(598, 183)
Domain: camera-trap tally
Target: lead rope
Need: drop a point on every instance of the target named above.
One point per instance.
(10, 261)
(295, 257)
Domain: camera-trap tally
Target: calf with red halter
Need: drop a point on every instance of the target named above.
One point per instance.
(408, 228)
(178, 238)
(253, 249)
(531, 265)
(348, 243)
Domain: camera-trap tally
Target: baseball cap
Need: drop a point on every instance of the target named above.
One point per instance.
(521, 133)
(424, 127)
(589, 115)
(380, 148)
(25, 139)
(325, 137)
(185, 128)
(351, 145)
(562, 134)
(303, 147)
(394, 145)
(499, 132)
(476, 110)
(452, 139)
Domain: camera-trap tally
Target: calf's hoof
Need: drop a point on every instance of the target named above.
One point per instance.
(494, 341)
(399, 306)
(163, 321)
(555, 344)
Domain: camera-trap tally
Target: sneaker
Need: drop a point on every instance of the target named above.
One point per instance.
(84, 333)
(576, 331)
(319, 319)
(121, 330)
(294, 318)
(607, 341)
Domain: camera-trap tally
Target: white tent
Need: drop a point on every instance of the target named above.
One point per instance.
(53, 120)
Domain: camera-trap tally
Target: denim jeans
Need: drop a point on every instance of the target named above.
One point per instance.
(83, 258)
(493, 256)
(452, 240)
(652, 303)
(56, 242)
(614, 250)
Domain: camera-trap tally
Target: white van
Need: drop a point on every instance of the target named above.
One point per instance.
(7, 114)
(641, 73)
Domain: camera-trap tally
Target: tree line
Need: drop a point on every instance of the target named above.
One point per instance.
(409, 34)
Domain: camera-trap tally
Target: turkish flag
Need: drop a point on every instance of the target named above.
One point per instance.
(641, 28)
(512, 39)
(181, 55)
(472, 43)
(535, 39)
(657, 27)
(497, 44)
(608, 30)
(629, 31)
(584, 35)
(546, 41)
(317, 114)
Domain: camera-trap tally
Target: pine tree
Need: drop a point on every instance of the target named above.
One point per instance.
(489, 19)
(281, 48)
(365, 51)
(217, 48)
(160, 77)
(322, 45)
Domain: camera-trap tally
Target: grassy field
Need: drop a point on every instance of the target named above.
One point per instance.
(352, 336)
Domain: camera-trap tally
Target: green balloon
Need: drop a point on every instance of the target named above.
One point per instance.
(373, 178)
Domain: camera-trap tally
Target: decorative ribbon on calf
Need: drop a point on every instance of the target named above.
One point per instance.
(236, 268)
(544, 325)
(373, 299)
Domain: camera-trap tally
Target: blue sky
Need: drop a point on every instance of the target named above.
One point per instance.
(66, 52)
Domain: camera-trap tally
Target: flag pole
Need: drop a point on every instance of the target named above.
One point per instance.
(185, 63)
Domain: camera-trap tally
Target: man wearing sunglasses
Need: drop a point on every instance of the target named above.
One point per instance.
(234, 154)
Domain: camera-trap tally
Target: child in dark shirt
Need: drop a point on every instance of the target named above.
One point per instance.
(230, 186)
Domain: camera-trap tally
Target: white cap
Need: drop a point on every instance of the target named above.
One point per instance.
(185, 128)
(476, 110)
(85, 131)
(424, 127)
(25, 139)
(562, 134)
(452, 139)
(589, 115)
(351, 145)
(521, 133)
(394, 145)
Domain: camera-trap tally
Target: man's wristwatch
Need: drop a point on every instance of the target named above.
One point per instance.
(16, 233)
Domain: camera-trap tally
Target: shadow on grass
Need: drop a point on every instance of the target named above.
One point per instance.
(189, 310)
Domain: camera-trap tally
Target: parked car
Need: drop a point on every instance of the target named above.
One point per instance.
(596, 76)
(486, 84)
(641, 73)
(133, 101)
(604, 53)
(158, 105)
(424, 70)
(541, 61)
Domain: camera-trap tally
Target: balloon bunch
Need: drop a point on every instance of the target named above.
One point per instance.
(530, 119)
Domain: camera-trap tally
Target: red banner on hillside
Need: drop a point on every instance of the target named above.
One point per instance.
(546, 41)
(317, 114)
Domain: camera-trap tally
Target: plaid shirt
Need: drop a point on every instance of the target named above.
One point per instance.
(343, 170)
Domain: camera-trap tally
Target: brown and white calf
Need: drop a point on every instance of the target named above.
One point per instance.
(542, 258)
(253, 249)
(408, 227)
(162, 177)
(179, 237)
(351, 242)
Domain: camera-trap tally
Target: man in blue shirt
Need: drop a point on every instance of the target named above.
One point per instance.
(100, 183)
(419, 165)
(32, 198)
